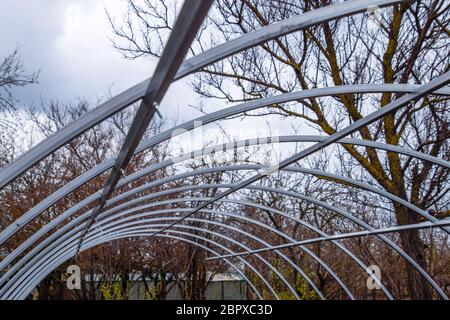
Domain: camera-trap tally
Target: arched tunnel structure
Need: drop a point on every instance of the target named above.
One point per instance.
(129, 214)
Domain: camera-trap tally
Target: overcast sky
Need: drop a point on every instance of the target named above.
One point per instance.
(68, 41)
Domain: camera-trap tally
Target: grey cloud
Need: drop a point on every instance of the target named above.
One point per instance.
(67, 41)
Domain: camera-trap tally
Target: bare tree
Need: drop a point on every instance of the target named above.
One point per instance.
(12, 74)
(408, 45)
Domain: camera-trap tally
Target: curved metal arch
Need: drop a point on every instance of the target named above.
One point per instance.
(187, 126)
(356, 234)
(119, 224)
(134, 201)
(30, 158)
(72, 243)
(389, 242)
(116, 225)
(68, 255)
(50, 200)
(340, 212)
(302, 138)
(248, 181)
(359, 222)
(268, 264)
(303, 248)
(358, 261)
(108, 213)
(104, 214)
(120, 197)
(422, 91)
(256, 167)
(247, 219)
(46, 259)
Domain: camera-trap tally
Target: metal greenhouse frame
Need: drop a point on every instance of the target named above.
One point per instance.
(111, 217)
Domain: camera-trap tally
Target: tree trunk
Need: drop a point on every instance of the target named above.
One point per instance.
(418, 287)
(124, 284)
